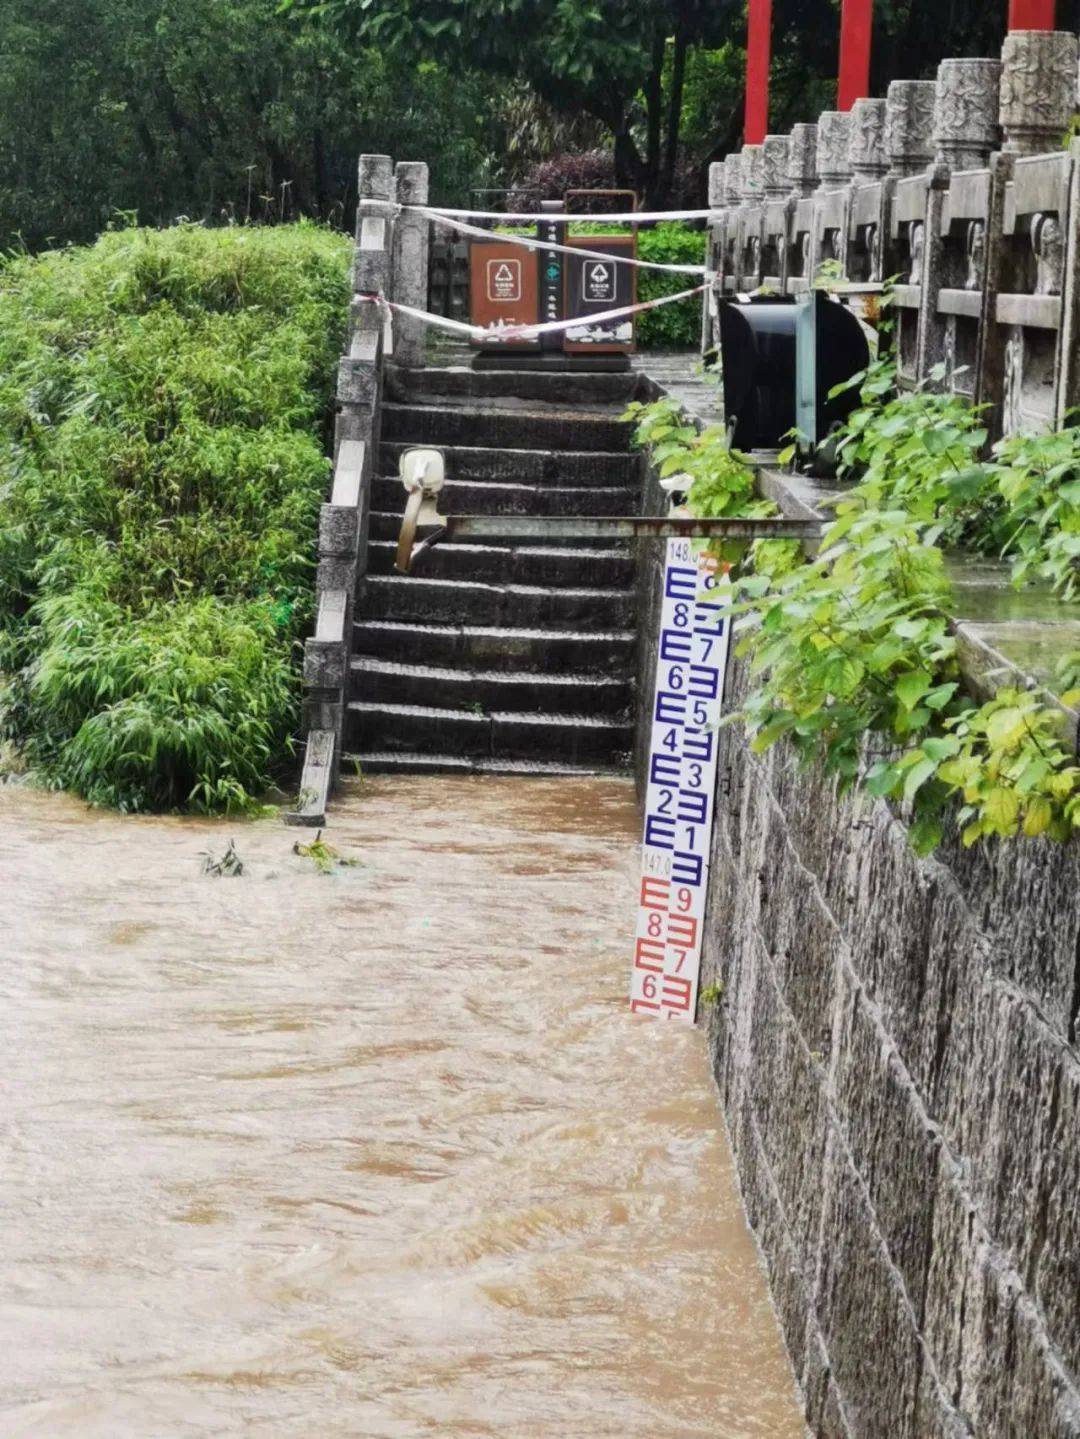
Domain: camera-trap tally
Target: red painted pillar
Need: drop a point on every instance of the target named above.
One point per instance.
(758, 55)
(856, 30)
(1032, 14)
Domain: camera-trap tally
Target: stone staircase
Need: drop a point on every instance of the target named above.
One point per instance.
(505, 656)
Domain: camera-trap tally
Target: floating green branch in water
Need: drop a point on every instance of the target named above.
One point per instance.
(323, 856)
(229, 866)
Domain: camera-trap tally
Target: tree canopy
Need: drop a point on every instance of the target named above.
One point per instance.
(257, 109)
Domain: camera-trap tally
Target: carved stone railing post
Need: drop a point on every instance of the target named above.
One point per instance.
(909, 126)
(729, 275)
(831, 199)
(966, 113)
(412, 234)
(752, 217)
(869, 164)
(965, 135)
(343, 520)
(866, 151)
(775, 153)
(909, 141)
(1038, 89)
(802, 172)
(990, 355)
(803, 180)
(778, 211)
(833, 148)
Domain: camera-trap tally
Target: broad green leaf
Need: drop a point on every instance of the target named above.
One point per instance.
(917, 776)
(940, 747)
(1000, 809)
(1038, 815)
(911, 687)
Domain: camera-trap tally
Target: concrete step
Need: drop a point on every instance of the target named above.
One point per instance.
(497, 647)
(407, 597)
(552, 429)
(386, 525)
(499, 564)
(489, 497)
(462, 384)
(503, 734)
(485, 691)
(389, 762)
(592, 469)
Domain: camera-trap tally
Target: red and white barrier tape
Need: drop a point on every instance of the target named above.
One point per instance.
(527, 332)
(529, 242)
(635, 217)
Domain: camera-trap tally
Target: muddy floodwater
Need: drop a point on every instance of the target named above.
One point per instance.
(378, 1152)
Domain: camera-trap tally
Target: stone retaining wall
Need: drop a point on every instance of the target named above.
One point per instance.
(895, 1046)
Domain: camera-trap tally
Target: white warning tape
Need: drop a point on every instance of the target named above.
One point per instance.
(529, 242)
(635, 217)
(526, 332)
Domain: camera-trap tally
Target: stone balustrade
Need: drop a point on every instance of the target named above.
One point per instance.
(965, 193)
(391, 259)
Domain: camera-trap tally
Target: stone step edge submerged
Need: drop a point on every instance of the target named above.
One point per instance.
(405, 762)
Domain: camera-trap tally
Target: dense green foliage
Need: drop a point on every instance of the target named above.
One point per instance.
(853, 655)
(212, 109)
(672, 327)
(257, 109)
(163, 408)
(661, 74)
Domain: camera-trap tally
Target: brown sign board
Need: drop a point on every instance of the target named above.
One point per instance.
(503, 290)
(594, 285)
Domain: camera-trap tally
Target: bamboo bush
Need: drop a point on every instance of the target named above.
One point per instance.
(164, 412)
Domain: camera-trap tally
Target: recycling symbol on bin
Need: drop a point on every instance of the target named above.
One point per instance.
(504, 280)
(599, 281)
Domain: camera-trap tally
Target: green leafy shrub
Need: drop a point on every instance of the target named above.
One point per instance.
(164, 403)
(852, 654)
(1038, 477)
(672, 327)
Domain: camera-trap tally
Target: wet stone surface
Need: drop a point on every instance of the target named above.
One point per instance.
(376, 1152)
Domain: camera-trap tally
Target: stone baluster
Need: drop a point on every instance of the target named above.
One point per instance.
(829, 240)
(412, 234)
(1038, 89)
(775, 152)
(752, 215)
(909, 142)
(729, 259)
(869, 163)
(802, 172)
(909, 126)
(776, 231)
(866, 149)
(753, 187)
(833, 146)
(966, 131)
(732, 180)
(965, 135)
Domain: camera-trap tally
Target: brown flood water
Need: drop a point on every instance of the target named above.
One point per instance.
(378, 1153)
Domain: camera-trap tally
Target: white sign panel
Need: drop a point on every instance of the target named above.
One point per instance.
(690, 669)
